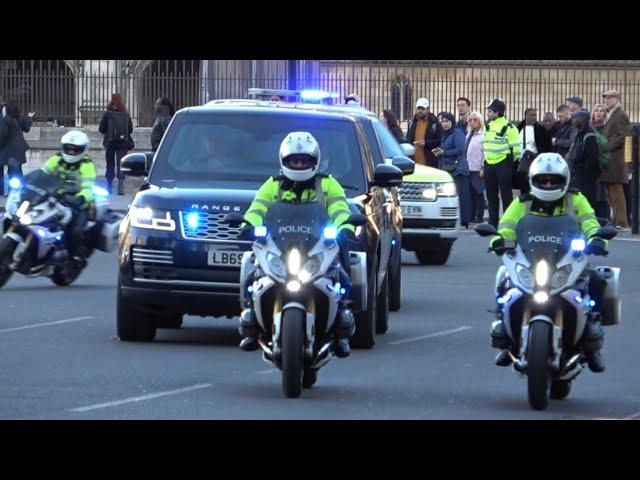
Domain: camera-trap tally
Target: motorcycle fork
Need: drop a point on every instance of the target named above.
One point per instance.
(556, 338)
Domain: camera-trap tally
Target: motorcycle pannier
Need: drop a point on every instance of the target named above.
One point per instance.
(108, 237)
(611, 304)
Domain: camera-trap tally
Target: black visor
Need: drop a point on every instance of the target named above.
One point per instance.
(548, 181)
(299, 161)
(71, 149)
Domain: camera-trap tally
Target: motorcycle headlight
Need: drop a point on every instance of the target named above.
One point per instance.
(524, 275)
(447, 189)
(145, 217)
(310, 269)
(542, 273)
(560, 277)
(293, 261)
(276, 265)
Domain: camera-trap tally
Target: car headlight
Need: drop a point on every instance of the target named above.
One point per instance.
(560, 277)
(524, 275)
(294, 261)
(429, 194)
(276, 265)
(145, 217)
(542, 273)
(447, 189)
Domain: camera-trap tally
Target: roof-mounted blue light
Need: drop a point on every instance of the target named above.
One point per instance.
(316, 95)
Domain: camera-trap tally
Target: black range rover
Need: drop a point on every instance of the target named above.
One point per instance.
(176, 254)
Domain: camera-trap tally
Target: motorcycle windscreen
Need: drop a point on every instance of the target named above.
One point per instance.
(38, 186)
(301, 224)
(546, 237)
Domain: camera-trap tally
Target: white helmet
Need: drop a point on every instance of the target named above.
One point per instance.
(300, 146)
(74, 145)
(546, 166)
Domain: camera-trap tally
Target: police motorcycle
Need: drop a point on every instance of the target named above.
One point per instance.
(295, 281)
(33, 224)
(542, 297)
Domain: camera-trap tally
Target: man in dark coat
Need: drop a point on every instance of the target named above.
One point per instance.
(585, 168)
(425, 133)
(617, 129)
(563, 140)
(13, 146)
(535, 139)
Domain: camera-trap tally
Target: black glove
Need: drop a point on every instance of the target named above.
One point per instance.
(246, 233)
(77, 203)
(497, 246)
(347, 235)
(597, 246)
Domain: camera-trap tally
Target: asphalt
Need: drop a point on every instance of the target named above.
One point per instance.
(61, 358)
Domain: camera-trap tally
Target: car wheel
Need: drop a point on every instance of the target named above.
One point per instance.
(173, 320)
(437, 256)
(382, 307)
(133, 325)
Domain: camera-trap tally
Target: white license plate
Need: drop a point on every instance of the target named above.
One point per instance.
(225, 258)
(411, 210)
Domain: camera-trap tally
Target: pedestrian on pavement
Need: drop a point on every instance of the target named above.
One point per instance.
(534, 139)
(562, 141)
(575, 103)
(388, 118)
(502, 148)
(585, 168)
(117, 127)
(13, 146)
(616, 175)
(550, 124)
(474, 152)
(425, 133)
(452, 159)
(164, 110)
(601, 206)
(464, 109)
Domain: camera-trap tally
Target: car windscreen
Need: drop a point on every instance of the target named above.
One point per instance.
(235, 149)
(39, 185)
(545, 237)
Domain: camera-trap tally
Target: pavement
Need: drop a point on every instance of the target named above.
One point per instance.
(62, 359)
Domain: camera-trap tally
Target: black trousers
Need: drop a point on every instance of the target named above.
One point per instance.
(498, 181)
(113, 157)
(74, 234)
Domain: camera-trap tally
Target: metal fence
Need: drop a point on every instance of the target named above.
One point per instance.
(75, 92)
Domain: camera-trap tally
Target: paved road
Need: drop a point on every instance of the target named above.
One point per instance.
(61, 359)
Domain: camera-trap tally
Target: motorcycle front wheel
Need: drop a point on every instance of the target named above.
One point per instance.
(538, 364)
(63, 276)
(292, 351)
(7, 246)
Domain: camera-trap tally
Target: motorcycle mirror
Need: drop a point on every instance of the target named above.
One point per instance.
(606, 232)
(486, 229)
(233, 219)
(357, 220)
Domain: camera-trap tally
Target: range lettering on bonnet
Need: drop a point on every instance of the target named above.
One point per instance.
(295, 229)
(545, 239)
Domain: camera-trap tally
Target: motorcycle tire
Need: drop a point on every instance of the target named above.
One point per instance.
(382, 307)
(292, 338)
(65, 276)
(538, 354)
(560, 389)
(7, 246)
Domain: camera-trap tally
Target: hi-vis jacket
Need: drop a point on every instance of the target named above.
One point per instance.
(573, 204)
(501, 138)
(79, 178)
(334, 200)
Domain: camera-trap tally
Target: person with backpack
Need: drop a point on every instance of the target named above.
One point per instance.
(585, 152)
(117, 127)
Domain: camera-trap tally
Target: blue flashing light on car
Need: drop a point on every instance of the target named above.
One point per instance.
(193, 220)
(316, 95)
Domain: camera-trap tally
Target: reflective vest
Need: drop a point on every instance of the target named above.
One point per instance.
(500, 139)
(79, 178)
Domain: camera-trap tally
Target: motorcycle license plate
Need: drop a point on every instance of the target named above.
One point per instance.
(411, 210)
(225, 258)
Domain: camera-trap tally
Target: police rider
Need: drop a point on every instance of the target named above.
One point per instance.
(550, 195)
(74, 165)
(299, 163)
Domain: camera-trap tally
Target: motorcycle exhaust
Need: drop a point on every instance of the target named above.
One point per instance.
(572, 368)
(267, 351)
(323, 356)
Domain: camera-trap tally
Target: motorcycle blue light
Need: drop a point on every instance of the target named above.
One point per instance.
(41, 233)
(260, 232)
(342, 291)
(393, 242)
(577, 244)
(58, 237)
(15, 183)
(193, 219)
(100, 192)
(578, 298)
(330, 233)
(592, 303)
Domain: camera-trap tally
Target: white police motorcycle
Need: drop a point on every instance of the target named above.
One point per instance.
(32, 229)
(296, 289)
(542, 296)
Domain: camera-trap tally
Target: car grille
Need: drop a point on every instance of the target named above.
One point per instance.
(210, 227)
(413, 191)
(151, 264)
(449, 212)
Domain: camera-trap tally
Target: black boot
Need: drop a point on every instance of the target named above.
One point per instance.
(345, 328)
(249, 330)
(503, 359)
(593, 342)
(120, 187)
(500, 339)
